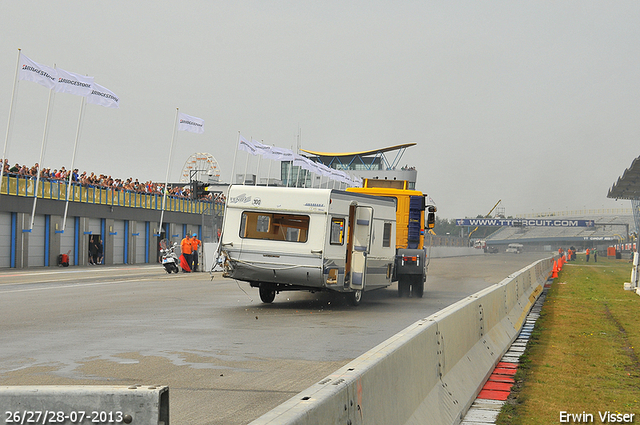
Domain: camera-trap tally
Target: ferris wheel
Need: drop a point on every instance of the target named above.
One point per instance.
(201, 167)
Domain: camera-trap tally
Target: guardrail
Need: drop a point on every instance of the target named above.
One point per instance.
(57, 190)
(428, 373)
(579, 213)
(78, 404)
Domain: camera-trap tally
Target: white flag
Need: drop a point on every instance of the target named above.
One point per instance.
(191, 124)
(245, 145)
(33, 71)
(336, 175)
(104, 97)
(324, 170)
(298, 161)
(281, 154)
(271, 153)
(262, 149)
(69, 82)
(306, 164)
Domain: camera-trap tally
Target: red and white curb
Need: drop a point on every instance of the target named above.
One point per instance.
(493, 395)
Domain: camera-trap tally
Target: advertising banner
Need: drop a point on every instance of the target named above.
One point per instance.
(524, 222)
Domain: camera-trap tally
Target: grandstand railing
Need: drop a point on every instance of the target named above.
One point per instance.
(431, 240)
(579, 213)
(57, 190)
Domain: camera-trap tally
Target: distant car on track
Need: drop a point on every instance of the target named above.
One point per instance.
(515, 248)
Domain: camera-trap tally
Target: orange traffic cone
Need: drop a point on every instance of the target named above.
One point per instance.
(560, 264)
(554, 272)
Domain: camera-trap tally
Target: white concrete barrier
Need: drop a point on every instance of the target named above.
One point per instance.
(428, 373)
(453, 251)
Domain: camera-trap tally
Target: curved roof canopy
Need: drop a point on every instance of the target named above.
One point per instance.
(627, 186)
(363, 153)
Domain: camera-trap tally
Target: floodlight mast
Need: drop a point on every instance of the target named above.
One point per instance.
(486, 216)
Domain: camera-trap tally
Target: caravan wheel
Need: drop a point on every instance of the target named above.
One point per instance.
(354, 298)
(267, 293)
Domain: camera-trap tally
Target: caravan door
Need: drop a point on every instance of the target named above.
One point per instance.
(360, 225)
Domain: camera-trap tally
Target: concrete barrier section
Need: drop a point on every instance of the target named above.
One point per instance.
(453, 251)
(406, 361)
(428, 373)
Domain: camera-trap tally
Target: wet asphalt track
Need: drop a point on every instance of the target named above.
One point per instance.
(226, 357)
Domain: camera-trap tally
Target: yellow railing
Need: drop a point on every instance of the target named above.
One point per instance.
(57, 190)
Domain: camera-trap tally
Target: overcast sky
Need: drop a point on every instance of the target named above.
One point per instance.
(535, 103)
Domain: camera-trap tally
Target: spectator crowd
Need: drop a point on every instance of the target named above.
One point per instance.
(101, 181)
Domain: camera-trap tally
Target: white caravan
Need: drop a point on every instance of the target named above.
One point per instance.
(288, 239)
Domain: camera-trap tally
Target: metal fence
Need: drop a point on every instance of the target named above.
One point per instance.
(57, 190)
(431, 240)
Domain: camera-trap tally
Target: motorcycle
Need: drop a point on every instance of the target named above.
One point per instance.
(169, 258)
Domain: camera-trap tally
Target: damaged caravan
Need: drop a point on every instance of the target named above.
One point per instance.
(288, 239)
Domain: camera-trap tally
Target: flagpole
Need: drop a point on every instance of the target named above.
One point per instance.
(297, 174)
(216, 254)
(269, 172)
(42, 150)
(166, 179)
(246, 164)
(235, 155)
(255, 183)
(73, 161)
(10, 121)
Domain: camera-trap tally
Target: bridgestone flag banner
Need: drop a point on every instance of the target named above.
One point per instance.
(189, 123)
(286, 155)
(103, 97)
(524, 222)
(247, 146)
(282, 154)
(33, 71)
(69, 82)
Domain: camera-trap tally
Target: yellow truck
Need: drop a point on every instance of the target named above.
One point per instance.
(410, 267)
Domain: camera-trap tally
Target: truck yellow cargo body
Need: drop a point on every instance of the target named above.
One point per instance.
(410, 266)
(403, 198)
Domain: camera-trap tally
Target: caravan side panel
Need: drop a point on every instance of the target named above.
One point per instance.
(276, 235)
(381, 255)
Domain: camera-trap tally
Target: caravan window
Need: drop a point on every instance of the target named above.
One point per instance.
(272, 226)
(337, 231)
(386, 235)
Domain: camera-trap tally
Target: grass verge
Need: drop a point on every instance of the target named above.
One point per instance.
(582, 357)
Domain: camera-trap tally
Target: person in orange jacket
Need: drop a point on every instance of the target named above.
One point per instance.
(186, 248)
(195, 244)
(588, 252)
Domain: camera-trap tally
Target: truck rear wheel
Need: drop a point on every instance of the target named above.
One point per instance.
(417, 286)
(267, 293)
(404, 287)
